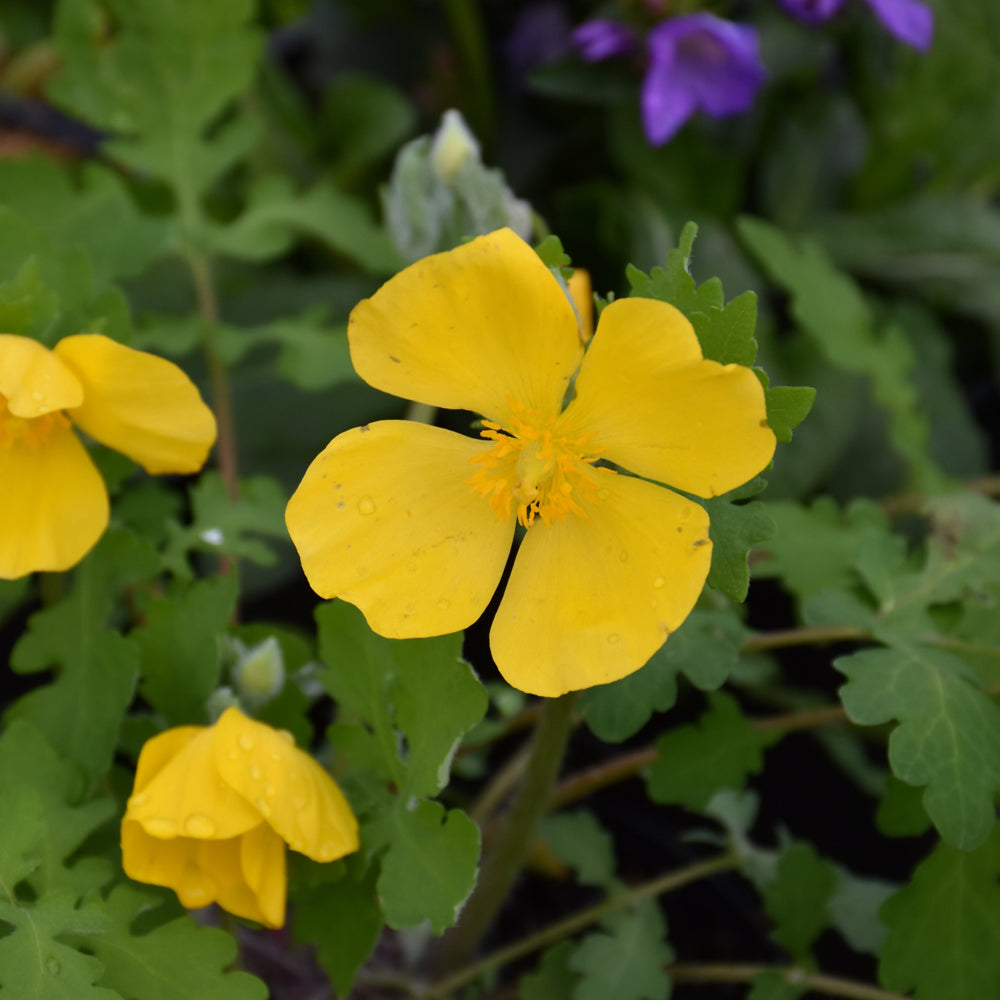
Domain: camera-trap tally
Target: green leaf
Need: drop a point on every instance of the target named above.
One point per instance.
(176, 960)
(276, 215)
(694, 762)
(787, 407)
(35, 964)
(553, 979)
(901, 812)
(229, 527)
(81, 710)
(577, 839)
(179, 651)
(342, 921)
(774, 985)
(430, 866)
(157, 79)
(705, 648)
(829, 307)
(627, 960)
(796, 900)
(420, 687)
(948, 737)
(854, 911)
(734, 529)
(944, 926)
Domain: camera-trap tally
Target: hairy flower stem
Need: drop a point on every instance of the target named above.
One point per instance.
(222, 399)
(832, 986)
(577, 921)
(510, 848)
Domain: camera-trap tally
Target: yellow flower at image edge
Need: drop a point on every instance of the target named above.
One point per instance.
(414, 524)
(53, 502)
(213, 807)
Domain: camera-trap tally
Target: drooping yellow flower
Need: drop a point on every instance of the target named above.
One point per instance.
(413, 524)
(213, 807)
(53, 501)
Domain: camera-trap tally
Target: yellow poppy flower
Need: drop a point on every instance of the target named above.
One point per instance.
(54, 504)
(213, 807)
(413, 524)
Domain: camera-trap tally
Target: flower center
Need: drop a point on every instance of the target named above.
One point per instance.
(27, 432)
(544, 474)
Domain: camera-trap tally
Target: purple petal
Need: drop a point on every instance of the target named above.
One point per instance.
(812, 11)
(603, 38)
(910, 21)
(698, 62)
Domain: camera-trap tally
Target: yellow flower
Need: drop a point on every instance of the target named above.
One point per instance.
(54, 504)
(413, 524)
(213, 807)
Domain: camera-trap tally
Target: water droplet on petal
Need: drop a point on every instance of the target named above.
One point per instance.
(232, 755)
(327, 850)
(163, 828)
(659, 582)
(444, 604)
(623, 556)
(138, 800)
(275, 755)
(200, 826)
(296, 845)
(286, 736)
(245, 741)
(300, 802)
(614, 637)
(270, 791)
(255, 772)
(36, 395)
(262, 806)
(654, 604)
(366, 506)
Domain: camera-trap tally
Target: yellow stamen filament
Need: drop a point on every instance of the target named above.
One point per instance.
(545, 474)
(26, 432)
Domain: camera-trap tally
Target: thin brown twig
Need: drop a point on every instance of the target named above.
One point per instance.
(834, 986)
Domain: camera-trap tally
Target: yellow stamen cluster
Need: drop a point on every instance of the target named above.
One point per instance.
(544, 473)
(21, 431)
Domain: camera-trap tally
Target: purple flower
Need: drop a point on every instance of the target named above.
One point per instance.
(698, 62)
(909, 21)
(603, 38)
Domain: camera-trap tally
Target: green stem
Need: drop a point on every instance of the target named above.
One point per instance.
(510, 848)
(222, 399)
(467, 29)
(832, 986)
(577, 921)
(808, 635)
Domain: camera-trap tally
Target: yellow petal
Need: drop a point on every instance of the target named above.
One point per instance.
(591, 599)
(33, 379)
(581, 295)
(652, 405)
(384, 518)
(53, 503)
(160, 750)
(141, 405)
(186, 797)
(299, 800)
(468, 328)
(204, 872)
(262, 861)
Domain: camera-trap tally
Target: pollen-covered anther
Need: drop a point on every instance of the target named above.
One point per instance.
(535, 468)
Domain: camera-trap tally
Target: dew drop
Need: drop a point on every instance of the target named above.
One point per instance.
(255, 772)
(410, 609)
(286, 736)
(327, 850)
(262, 806)
(614, 637)
(366, 506)
(444, 604)
(199, 825)
(300, 802)
(269, 790)
(659, 582)
(245, 741)
(603, 494)
(53, 966)
(654, 604)
(232, 755)
(623, 556)
(163, 828)
(296, 845)
(36, 395)
(138, 800)
(275, 755)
